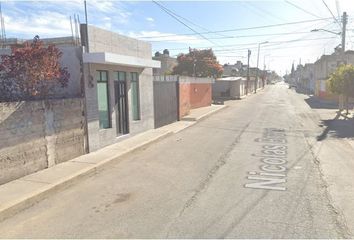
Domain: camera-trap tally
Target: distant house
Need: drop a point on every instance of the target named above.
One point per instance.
(234, 70)
(167, 63)
(229, 88)
(241, 70)
(326, 65)
(307, 80)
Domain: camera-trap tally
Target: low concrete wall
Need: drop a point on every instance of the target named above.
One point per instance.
(38, 134)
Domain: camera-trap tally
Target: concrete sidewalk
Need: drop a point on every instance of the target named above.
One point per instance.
(26, 191)
(335, 155)
(200, 113)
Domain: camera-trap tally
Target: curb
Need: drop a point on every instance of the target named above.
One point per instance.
(42, 190)
(12, 207)
(195, 119)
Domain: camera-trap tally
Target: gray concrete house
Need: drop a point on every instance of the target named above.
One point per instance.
(230, 88)
(118, 83)
(109, 97)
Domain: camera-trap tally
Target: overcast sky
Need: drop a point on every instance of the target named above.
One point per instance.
(147, 21)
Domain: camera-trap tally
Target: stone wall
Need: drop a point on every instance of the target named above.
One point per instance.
(35, 135)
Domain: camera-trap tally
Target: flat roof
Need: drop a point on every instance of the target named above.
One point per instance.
(231, 79)
(117, 59)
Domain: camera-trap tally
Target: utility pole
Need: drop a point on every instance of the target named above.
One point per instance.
(87, 49)
(264, 72)
(256, 80)
(248, 71)
(344, 26)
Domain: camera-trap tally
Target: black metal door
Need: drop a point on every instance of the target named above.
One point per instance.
(121, 107)
(165, 102)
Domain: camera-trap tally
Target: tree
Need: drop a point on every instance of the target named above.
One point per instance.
(292, 70)
(31, 71)
(201, 63)
(341, 81)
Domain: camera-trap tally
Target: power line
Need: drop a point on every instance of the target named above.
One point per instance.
(270, 44)
(229, 45)
(189, 21)
(241, 29)
(304, 10)
(259, 11)
(338, 9)
(247, 44)
(335, 19)
(270, 47)
(240, 36)
(184, 24)
(298, 29)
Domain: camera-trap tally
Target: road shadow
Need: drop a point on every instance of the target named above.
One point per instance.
(303, 91)
(337, 127)
(316, 103)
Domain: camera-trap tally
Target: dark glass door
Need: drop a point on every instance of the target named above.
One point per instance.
(120, 86)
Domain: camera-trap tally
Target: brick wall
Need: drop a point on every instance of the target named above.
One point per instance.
(38, 134)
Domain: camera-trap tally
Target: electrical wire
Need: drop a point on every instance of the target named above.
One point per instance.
(184, 24)
(260, 12)
(300, 8)
(241, 29)
(255, 44)
(335, 19)
(232, 37)
(189, 21)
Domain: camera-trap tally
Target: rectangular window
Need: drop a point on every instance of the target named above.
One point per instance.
(135, 97)
(120, 76)
(103, 99)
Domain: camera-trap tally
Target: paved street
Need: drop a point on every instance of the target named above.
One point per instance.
(248, 171)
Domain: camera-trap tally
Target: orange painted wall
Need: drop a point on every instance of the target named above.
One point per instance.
(193, 95)
(200, 95)
(184, 99)
(327, 96)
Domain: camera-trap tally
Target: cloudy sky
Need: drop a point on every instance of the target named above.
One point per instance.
(229, 27)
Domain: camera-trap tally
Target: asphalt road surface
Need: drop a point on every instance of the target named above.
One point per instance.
(247, 171)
